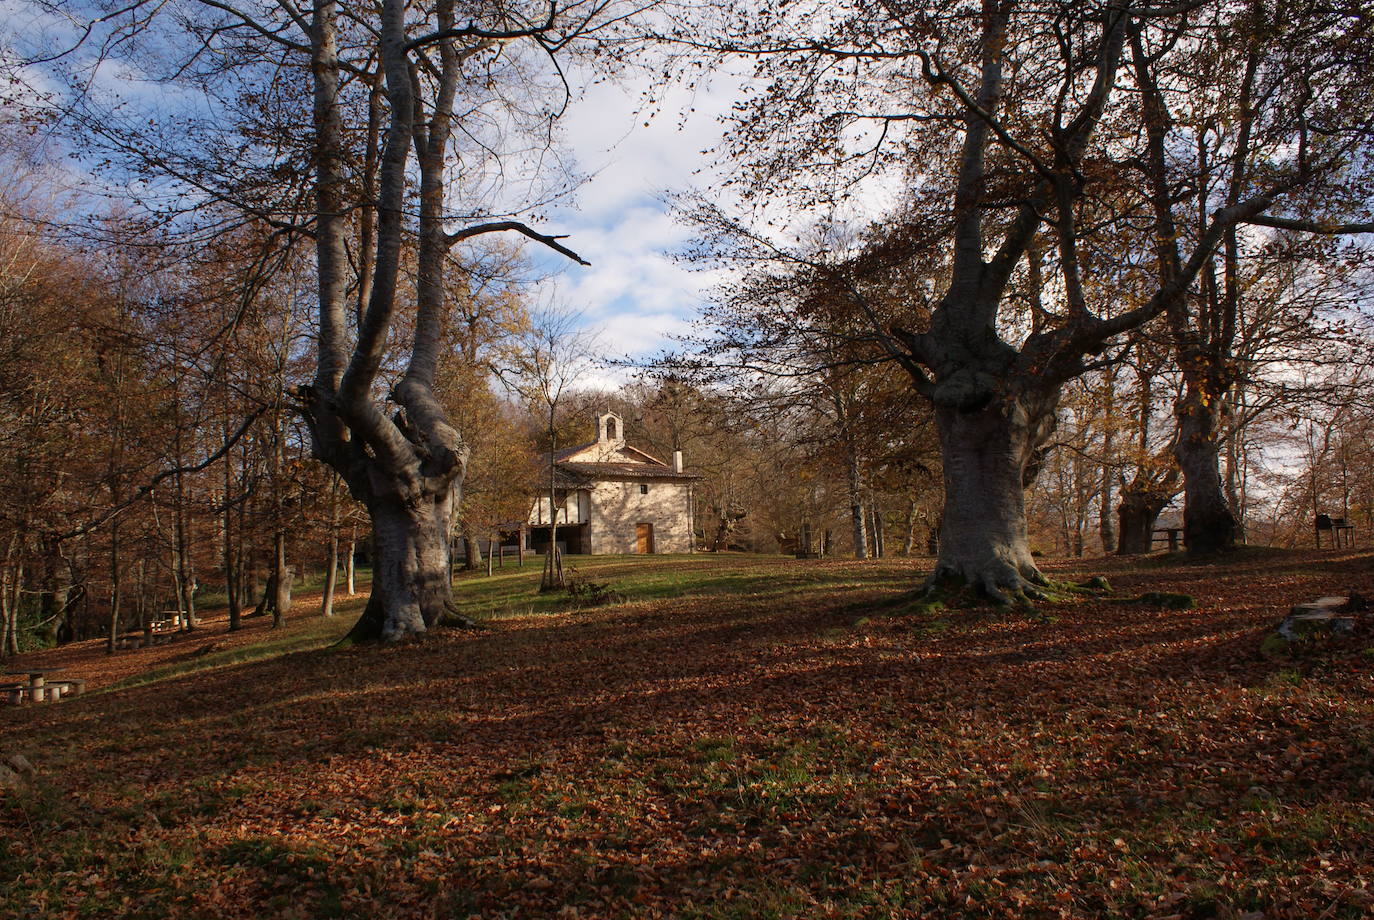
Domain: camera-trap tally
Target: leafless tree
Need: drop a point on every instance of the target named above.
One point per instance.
(543, 367)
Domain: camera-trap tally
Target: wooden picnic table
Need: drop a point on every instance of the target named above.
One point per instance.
(38, 680)
(1341, 530)
(152, 633)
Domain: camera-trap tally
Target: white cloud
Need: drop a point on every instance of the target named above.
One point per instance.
(635, 291)
(632, 153)
(620, 221)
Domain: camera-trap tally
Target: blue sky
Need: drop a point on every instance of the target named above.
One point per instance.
(634, 291)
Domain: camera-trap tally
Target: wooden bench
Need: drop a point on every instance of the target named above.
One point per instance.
(1172, 534)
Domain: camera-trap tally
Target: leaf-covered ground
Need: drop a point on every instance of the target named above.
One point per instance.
(742, 737)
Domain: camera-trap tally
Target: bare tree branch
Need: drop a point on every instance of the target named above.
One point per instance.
(502, 226)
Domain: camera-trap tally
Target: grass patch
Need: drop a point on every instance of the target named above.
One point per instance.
(635, 579)
(303, 635)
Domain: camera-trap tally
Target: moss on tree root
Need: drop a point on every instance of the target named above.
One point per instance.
(368, 629)
(949, 590)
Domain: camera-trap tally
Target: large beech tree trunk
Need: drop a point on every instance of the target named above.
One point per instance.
(410, 568)
(1137, 514)
(412, 557)
(1204, 328)
(995, 400)
(1209, 525)
(983, 541)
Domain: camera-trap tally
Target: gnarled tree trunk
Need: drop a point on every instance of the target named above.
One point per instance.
(410, 567)
(985, 453)
(1209, 525)
(404, 461)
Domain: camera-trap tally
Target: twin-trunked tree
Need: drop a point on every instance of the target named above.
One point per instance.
(381, 135)
(406, 466)
(1037, 145)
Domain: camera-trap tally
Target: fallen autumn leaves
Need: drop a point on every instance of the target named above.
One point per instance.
(741, 749)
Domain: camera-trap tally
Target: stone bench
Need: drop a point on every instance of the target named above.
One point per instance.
(156, 634)
(50, 691)
(71, 686)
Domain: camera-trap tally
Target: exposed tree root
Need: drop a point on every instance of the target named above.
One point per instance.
(454, 618)
(1002, 583)
(368, 628)
(371, 626)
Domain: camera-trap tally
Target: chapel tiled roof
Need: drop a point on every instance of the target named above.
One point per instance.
(588, 471)
(579, 474)
(572, 472)
(569, 451)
